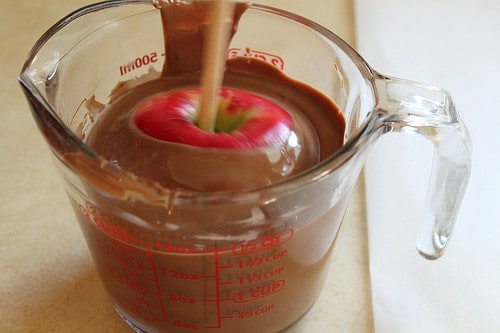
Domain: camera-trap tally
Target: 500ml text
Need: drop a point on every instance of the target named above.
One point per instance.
(138, 62)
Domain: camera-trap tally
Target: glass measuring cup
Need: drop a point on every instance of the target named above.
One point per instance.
(164, 266)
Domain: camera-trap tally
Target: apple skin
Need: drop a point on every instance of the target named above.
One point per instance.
(244, 120)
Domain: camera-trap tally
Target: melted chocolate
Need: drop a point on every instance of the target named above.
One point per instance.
(184, 27)
(319, 126)
(318, 133)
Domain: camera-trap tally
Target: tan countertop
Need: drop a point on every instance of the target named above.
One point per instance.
(47, 279)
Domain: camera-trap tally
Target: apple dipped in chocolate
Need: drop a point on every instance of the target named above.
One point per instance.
(267, 127)
(243, 120)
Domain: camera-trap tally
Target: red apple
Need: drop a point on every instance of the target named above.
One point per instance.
(244, 120)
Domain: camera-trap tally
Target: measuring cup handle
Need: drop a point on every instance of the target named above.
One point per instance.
(409, 107)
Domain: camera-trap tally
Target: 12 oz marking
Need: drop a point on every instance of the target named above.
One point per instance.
(183, 276)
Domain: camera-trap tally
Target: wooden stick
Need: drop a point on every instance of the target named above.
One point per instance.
(214, 60)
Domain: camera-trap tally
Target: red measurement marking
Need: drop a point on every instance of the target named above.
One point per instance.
(174, 274)
(260, 292)
(272, 59)
(246, 314)
(157, 283)
(141, 307)
(263, 243)
(188, 326)
(259, 277)
(225, 283)
(105, 224)
(133, 267)
(217, 287)
(217, 299)
(128, 281)
(180, 299)
(139, 62)
(169, 248)
(136, 262)
(259, 260)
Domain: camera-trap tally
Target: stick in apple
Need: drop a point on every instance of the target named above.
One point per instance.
(212, 116)
(214, 62)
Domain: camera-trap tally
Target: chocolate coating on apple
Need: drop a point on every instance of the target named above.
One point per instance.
(251, 149)
(316, 132)
(244, 120)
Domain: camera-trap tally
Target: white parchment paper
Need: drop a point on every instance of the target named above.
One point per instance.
(453, 44)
